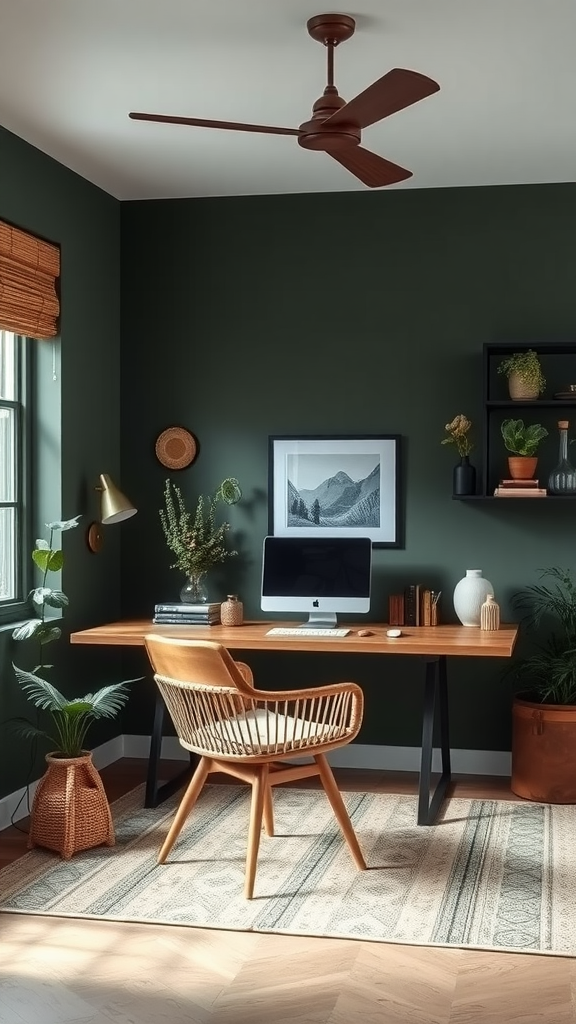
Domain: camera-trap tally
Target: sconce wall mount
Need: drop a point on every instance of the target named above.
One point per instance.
(115, 507)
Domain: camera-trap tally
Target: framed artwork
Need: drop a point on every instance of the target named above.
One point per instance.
(346, 485)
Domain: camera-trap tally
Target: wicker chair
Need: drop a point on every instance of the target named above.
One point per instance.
(246, 733)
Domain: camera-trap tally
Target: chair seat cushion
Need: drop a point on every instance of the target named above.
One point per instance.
(263, 732)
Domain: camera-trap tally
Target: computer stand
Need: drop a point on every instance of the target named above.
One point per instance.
(320, 620)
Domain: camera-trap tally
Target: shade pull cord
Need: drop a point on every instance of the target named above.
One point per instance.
(54, 374)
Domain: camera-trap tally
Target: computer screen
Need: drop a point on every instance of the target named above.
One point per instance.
(323, 576)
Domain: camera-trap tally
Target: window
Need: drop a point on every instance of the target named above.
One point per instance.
(14, 463)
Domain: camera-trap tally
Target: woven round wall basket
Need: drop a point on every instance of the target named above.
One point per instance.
(176, 448)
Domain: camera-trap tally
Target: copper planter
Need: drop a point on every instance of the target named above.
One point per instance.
(544, 751)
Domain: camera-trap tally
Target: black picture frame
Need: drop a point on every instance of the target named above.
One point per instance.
(356, 476)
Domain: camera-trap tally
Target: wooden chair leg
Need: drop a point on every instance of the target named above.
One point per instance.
(186, 804)
(339, 808)
(268, 812)
(259, 787)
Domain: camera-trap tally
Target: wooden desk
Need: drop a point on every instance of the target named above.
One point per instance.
(434, 644)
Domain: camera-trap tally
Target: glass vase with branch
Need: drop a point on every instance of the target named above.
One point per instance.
(194, 538)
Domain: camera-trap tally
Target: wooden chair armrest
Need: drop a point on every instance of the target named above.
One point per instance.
(329, 690)
(246, 672)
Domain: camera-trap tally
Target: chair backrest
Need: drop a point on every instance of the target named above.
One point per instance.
(195, 661)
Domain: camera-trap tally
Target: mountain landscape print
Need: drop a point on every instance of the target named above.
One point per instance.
(337, 500)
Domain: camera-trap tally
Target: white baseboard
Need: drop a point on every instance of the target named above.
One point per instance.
(362, 755)
(356, 755)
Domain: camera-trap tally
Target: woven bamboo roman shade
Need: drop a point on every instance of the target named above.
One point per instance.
(29, 270)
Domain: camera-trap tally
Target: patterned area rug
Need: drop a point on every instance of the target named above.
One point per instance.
(490, 875)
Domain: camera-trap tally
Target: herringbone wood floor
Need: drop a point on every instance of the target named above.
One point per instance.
(98, 972)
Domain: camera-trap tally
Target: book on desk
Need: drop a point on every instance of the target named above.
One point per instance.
(183, 614)
(416, 606)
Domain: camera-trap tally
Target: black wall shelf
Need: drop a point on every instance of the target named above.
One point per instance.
(558, 359)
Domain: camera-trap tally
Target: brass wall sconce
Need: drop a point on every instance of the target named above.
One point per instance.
(114, 508)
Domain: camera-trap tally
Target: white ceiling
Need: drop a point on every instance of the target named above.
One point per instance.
(70, 70)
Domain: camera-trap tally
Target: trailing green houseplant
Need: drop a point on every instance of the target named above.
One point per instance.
(71, 718)
(520, 439)
(525, 366)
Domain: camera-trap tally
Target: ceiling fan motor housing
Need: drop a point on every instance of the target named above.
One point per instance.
(315, 136)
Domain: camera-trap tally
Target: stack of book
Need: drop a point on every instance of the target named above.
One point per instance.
(417, 606)
(187, 614)
(520, 489)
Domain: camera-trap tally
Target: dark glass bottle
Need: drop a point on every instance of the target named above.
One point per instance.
(562, 479)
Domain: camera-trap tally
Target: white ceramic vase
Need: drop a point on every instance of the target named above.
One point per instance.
(470, 594)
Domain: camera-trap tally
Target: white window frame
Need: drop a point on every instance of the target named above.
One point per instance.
(17, 605)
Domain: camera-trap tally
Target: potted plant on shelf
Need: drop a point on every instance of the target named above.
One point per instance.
(70, 810)
(523, 442)
(195, 539)
(525, 378)
(544, 707)
(464, 474)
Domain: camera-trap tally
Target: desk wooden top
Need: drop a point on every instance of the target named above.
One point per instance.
(462, 641)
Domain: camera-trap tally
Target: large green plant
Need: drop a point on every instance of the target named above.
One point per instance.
(521, 439)
(71, 718)
(548, 674)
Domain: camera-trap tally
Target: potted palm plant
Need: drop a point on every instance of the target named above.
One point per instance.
(523, 441)
(544, 705)
(70, 811)
(525, 377)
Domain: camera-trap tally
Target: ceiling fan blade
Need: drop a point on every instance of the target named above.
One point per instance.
(370, 168)
(200, 122)
(394, 91)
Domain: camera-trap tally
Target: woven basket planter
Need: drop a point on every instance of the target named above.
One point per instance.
(70, 811)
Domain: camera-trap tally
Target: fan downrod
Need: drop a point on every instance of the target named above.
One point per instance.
(331, 28)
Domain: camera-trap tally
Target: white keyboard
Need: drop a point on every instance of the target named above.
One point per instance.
(282, 631)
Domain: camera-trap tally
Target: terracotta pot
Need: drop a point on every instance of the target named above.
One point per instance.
(522, 467)
(544, 751)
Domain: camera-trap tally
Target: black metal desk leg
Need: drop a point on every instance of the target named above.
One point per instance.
(156, 793)
(435, 683)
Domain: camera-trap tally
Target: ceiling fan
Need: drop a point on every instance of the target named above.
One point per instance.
(336, 126)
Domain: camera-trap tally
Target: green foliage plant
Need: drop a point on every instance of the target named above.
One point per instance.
(458, 434)
(528, 367)
(520, 439)
(71, 718)
(548, 674)
(194, 538)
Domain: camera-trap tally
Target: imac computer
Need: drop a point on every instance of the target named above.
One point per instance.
(320, 576)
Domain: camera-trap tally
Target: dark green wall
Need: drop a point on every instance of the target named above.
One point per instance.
(361, 312)
(80, 428)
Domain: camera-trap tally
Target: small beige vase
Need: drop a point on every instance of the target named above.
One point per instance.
(490, 614)
(232, 611)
